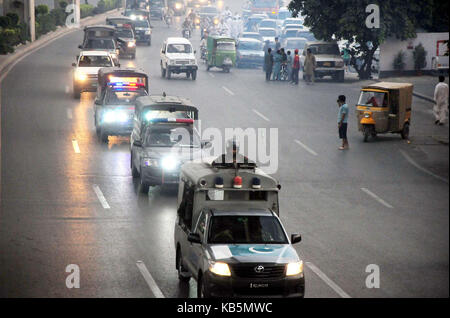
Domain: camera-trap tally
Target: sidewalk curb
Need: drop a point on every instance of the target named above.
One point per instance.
(8, 63)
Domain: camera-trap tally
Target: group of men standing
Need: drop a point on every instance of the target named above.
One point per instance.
(282, 65)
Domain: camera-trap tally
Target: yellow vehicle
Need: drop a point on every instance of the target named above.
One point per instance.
(385, 108)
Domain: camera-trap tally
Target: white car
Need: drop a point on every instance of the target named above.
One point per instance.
(328, 59)
(86, 70)
(178, 56)
(268, 34)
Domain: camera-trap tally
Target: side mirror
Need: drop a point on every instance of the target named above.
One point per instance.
(296, 238)
(80, 46)
(194, 238)
(74, 64)
(137, 143)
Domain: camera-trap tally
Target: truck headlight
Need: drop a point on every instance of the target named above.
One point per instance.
(294, 268)
(148, 162)
(80, 76)
(113, 116)
(169, 163)
(219, 268)
(148, 32)
(131, 44)
(133, 17)
(171, 62)
(192, 62)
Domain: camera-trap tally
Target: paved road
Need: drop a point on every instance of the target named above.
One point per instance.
(369, 205)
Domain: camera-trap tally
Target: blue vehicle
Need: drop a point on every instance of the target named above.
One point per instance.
(249, 53)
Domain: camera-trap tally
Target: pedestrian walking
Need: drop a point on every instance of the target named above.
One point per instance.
(295, 68)
(290, 61)
(343, 121)
(309, 66)
(268, 63)
(440, 109)
(277, 65)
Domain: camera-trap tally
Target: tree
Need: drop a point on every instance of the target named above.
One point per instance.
(346, 20)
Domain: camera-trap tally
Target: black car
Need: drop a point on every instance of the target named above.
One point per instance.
(143, 31)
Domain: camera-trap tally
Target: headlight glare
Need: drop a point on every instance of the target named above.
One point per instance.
(169, 163)
(80, 76)
(294, 268)
(220, 268)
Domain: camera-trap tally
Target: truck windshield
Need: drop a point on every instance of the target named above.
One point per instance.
(106, 44)
(95, 61)
(170, 136)
(123, 96)
(179, 48)
(331, 49)
(246, 230)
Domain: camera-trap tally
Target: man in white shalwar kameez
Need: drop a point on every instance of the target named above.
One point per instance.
(440, 109)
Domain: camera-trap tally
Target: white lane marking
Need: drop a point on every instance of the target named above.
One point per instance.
(75, 146)
(373, 195)
(327, 280)
(306, 147)
(211, 74)
(415, 164)
(228, 91)
(69, 113)
(260, 115)
(67, 89)
(149, 279)
(101, 197)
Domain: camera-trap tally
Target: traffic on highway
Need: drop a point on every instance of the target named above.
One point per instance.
(216, 149)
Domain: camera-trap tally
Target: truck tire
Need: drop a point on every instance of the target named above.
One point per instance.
(163, 72)
(194, 75)
(103, 137)
(367, 131)
(180, 268)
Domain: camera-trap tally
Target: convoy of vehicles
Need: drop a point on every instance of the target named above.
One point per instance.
(178, 56)
(228, 235)
(328, 60)
(385, 108)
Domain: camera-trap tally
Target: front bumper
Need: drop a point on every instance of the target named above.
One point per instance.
(323, 71)
(142, 37)
(182, 68)
(118, 128)
(285, 287)
(88, 85)
(128, 50)
(157, 176)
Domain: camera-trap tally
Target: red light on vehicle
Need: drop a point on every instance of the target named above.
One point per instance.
(237, 182)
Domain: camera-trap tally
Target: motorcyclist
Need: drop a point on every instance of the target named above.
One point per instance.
(168, 14)
(187, 26)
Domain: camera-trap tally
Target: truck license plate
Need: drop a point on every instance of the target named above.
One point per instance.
(326, 64)
(256, 285)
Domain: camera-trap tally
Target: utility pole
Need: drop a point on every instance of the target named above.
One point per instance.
(31, 20)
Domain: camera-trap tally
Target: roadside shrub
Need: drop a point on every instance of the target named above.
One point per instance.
(45, 24)
(5, 22)
(419, 55)
(23, 33)
(86, 10)
(399, 61)
(41, 9)
(8, 38)
(63, 4)
(59, 16)
(14, 19)
(101, 7)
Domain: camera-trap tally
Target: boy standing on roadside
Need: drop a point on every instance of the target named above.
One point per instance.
(343, 121)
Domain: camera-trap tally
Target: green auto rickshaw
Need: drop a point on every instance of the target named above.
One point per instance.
(221, 53)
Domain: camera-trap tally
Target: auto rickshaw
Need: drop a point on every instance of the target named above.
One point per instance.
(385, 108)
(221, 53)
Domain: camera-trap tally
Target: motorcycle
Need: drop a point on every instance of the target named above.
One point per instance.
(186, 33)
(203, 51)
(168, 20)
